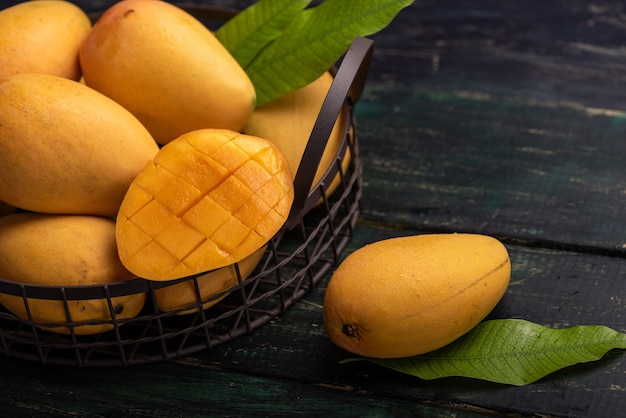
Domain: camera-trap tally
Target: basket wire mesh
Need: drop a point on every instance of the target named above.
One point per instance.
(296, 259)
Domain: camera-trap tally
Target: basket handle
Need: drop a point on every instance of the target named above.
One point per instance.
(348, 84)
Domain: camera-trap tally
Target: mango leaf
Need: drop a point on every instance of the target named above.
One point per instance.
(247, 33)
(314, 41)
(509, 351)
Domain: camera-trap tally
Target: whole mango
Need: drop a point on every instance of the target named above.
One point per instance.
(66, 148)
(288, 122)
(42, 36)
(167, 68)
(405, 296)
(64, 250)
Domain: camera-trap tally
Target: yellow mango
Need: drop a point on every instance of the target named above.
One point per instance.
(181, 295)
(65, 148)
(42, 36)
(167, 68)
(210, 198)
(288, 122)
(63, 250)
(406, 296)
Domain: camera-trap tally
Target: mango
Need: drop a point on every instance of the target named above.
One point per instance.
(288, 122)
(167, 68)
(65, 148)
(42, 36)
(63, 250)
(406, 296)
(179, 296)
(209, 199)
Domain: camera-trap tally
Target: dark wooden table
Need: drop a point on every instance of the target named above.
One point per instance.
(502, 118)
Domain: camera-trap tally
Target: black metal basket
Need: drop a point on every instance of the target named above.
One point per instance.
(296, 259)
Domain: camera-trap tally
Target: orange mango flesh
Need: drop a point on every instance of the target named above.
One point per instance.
(182, 295)
(209, 199)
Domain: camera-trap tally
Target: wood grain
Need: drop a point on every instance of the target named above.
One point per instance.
(500, 119)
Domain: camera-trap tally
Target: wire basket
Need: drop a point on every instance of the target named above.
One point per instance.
(296, 259)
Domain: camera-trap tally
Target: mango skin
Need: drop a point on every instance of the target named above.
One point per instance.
(167, 68)
(406, 296)
(63, 250)
(288, 122)
(42, 36)
(65, 148)
(179, 296)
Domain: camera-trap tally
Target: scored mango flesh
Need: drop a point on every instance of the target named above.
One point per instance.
(209, 199)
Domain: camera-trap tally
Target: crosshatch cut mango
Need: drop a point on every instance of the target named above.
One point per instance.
(210, 198)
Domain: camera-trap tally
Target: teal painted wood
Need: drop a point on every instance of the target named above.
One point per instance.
(463, 162)
(507, 120)
(188, 389)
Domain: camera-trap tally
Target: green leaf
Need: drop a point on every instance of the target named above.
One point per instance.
(509, 351)
(314, 41)
(247, 33)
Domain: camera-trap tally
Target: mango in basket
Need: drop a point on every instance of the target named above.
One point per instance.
(288, 122)
(64, 250)
(405, 296)
(65, 148)
(211, 287)
(167, 68)
(209, 199)
(42, 36)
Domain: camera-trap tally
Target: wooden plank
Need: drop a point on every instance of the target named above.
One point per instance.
(495, 118)
(187, 388)
(466, 163)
